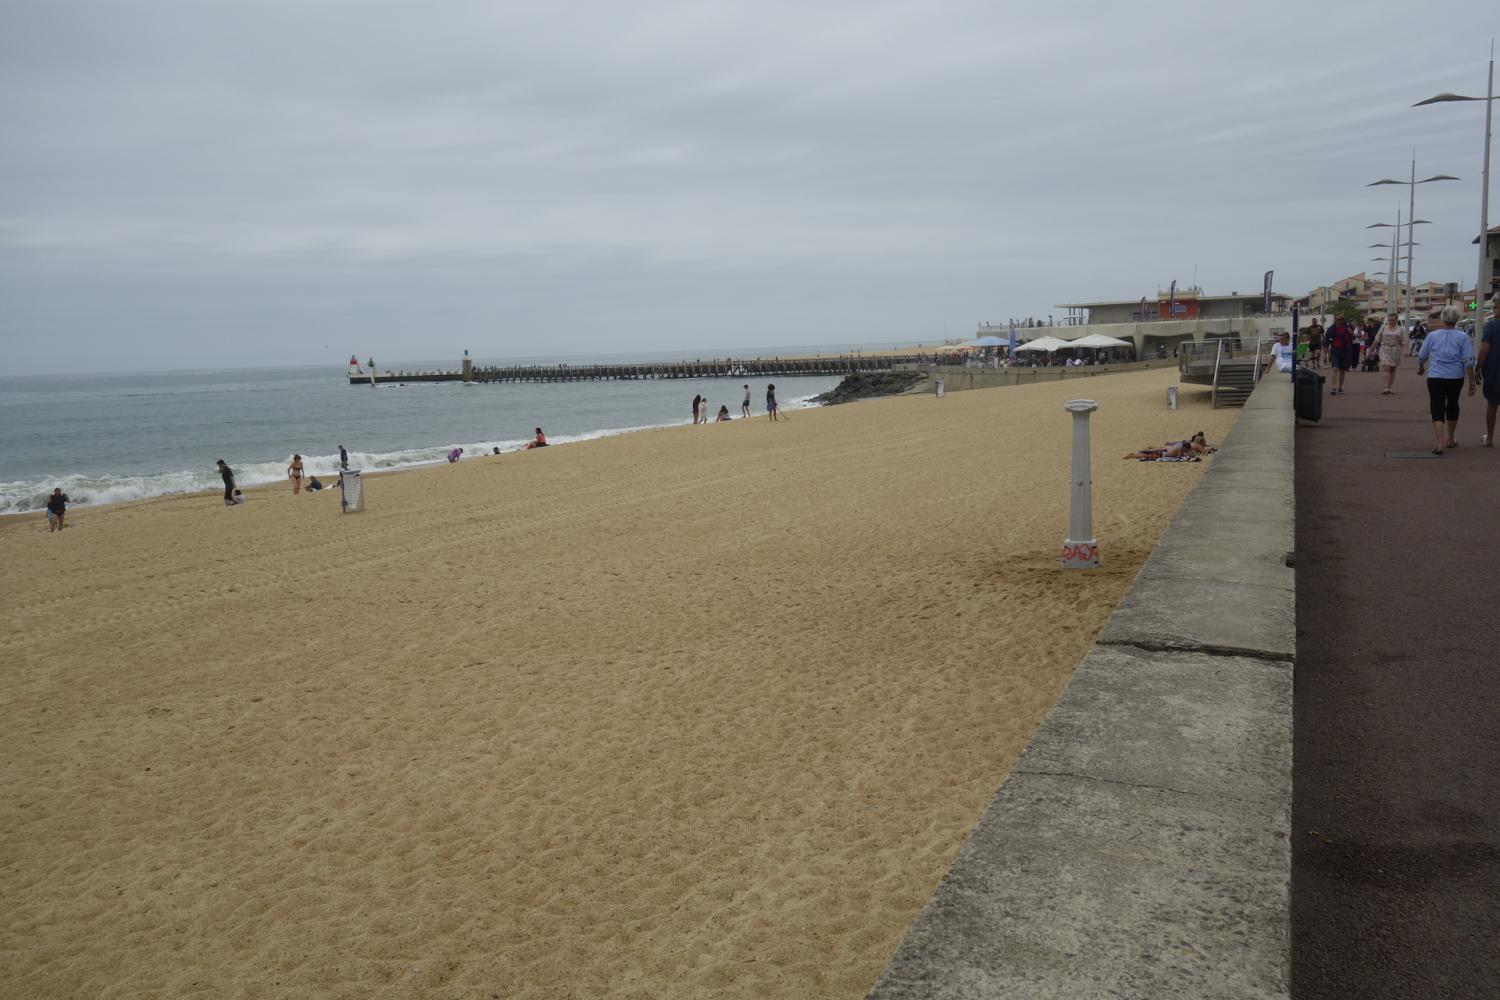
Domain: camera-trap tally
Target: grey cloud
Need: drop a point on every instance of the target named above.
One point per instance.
(676, 176)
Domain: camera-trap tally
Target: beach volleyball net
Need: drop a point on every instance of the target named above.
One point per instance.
(352, 491)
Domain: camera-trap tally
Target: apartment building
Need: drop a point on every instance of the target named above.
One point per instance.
(1370, 294)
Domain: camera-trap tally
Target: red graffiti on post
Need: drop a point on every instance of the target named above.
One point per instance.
(1080, 552)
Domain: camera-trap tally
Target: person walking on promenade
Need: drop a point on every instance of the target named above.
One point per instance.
(1489, 371)
(1391, 343)
(1340, 353)
(771, 402)
(228, 476)
(1449, 354)
(1314, 345)
(1418, 334)
(57, 508)
(745, 403)
(294, 473)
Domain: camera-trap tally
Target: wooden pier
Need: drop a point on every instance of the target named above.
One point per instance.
(726, 368)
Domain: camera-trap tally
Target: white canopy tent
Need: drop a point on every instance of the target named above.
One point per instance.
(1044, 344)
(1099, 340)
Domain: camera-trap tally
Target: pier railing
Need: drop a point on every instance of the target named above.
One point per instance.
(726, 368)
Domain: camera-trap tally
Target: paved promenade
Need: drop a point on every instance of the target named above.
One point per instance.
(1396, 800)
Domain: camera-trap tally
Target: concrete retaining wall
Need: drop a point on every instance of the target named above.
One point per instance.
(957, 377)
(1140, 845)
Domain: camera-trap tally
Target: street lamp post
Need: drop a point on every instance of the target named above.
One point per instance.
(1411, 215)
(1393, 298)
(1484, 280)
(1390, 288)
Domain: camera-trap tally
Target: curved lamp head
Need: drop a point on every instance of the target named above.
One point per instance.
(1445, 98)
(1434, 177)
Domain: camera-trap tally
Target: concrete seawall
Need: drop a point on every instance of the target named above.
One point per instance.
(1140, 845)
(957, 378)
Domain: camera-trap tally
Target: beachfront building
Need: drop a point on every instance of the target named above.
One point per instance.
(1183, 304)
(1491, 261)
(1157, 325)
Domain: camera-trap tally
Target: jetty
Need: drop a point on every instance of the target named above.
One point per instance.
(717, 368)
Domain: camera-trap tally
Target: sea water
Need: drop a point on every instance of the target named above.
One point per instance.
(107, 438)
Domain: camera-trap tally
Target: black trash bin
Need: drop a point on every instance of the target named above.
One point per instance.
(1307, 394)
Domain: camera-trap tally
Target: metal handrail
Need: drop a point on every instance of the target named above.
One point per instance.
(1255, 375)
(1218, 357)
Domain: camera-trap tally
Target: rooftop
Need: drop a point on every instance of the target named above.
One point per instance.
(1181, 296)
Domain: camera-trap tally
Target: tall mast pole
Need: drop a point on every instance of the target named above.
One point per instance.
(1483, 284)
(1411, 226)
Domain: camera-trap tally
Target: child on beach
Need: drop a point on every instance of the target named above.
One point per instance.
(540, 442)
(57, 506)
(723, 414)
(745, 403)
(771, 402)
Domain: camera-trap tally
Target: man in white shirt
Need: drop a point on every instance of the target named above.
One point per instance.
(1282, 353)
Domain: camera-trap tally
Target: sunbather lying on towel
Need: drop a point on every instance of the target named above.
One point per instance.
(1176, 451)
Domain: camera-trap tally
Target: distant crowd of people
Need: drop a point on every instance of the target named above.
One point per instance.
(1346, 346)
(296, 470)
(1446, 357)
(703, 413)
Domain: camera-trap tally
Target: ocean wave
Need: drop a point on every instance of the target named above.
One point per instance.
(84, 490)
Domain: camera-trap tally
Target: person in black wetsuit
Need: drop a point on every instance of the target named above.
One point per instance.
(228, 475)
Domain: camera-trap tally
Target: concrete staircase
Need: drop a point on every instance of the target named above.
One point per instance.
(1235, 382)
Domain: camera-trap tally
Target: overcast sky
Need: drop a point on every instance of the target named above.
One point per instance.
(189, 183)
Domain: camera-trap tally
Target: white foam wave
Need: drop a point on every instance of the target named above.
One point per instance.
(20, 497)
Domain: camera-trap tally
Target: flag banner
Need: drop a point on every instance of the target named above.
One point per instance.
(1267, 308)
(1172, 301)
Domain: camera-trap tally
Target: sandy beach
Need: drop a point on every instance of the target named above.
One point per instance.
(694, 712)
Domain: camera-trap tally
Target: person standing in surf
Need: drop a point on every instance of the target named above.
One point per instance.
(57, 508)
(745, 403)
(228, 476)
(343, 458)
(771, 402)
(697, 402)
